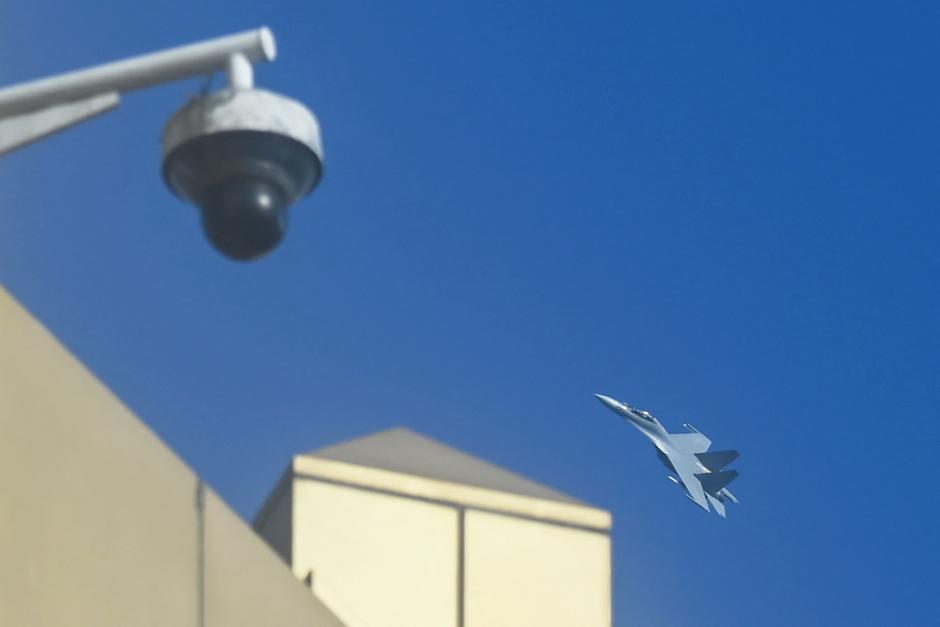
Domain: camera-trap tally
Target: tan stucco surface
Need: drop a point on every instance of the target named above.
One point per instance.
(406, 452)
(99, 523)
(451, 492)
(377, 560)
(420, 550)
(521, 573)
(246, 584)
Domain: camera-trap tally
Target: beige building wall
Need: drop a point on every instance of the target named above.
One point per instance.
(397, 530)
(102, 525)
(520, 572)
(377, 560)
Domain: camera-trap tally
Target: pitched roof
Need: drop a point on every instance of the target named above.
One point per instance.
(402, 450)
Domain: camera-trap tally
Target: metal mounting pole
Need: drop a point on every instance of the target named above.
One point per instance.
(33, 110)
(138, 72)
(240, 73)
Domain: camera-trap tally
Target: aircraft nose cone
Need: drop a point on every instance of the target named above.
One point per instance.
(606, 400)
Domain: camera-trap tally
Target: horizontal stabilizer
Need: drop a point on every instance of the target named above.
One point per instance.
(713, 482)
(716, 460)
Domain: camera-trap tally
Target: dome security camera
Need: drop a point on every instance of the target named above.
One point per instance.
(243, 156)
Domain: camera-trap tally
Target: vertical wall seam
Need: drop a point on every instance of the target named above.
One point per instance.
(200, 553)
(461, 564)
(292, 524)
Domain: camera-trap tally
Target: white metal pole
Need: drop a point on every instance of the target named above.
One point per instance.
(240, 73)
(20, 130)
(138, 72)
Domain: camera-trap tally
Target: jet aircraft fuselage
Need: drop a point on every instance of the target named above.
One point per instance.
(700, 473)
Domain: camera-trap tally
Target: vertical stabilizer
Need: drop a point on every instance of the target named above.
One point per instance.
(717, 505)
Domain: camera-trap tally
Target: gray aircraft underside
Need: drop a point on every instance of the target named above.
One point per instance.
(700, 472)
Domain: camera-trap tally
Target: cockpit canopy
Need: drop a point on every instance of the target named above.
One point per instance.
(642, 413)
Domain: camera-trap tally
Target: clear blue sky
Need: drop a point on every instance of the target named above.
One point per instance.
(721, 212)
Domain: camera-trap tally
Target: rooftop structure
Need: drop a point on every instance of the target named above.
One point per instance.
(396, 529)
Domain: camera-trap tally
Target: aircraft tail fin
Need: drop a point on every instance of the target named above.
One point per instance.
(716, 460)
(717, 505)
(713, 482)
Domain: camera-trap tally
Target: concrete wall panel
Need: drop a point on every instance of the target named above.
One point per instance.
(97, 516)
(100, 524)
(521, 573)
(377, 560)
(247, 584)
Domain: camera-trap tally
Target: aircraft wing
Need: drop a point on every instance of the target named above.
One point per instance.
(686, 468)
(690, 442)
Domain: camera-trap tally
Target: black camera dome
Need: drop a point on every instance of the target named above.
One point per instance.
(245, 218)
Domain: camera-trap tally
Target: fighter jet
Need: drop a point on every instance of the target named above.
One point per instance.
(701, 474)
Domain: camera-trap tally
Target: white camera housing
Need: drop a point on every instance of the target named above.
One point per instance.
(243, 156)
